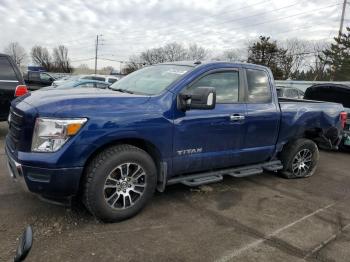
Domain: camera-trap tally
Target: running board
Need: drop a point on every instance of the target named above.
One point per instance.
(216, 176)
(247, 172)
(202, 181)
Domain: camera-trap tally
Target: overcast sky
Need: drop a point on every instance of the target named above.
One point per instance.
(131, 26)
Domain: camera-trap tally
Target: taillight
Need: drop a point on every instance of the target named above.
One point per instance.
(343, 118)
(21, 90)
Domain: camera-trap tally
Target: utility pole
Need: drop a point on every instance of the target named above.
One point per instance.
(96, 52)
(342, 18)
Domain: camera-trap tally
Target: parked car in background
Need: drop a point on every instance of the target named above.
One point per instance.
(333, 93)
(36, 80)
(82, 83)
(105, 78)
(66, 79)
(11, 84)
(289, 92)
(183, 122)
(102, 78)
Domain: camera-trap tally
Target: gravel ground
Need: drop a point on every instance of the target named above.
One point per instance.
(260, 218)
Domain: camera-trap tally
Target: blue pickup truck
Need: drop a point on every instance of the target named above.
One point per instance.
(185, 122)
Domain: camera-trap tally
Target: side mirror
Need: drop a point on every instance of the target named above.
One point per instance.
(203, 98)
(51, 79)
(24, 245)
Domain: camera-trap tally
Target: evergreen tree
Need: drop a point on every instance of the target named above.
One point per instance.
(267, 53)
(338, 57)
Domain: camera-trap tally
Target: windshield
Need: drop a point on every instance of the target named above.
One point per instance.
(150, 80)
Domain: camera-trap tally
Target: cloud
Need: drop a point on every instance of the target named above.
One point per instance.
(130, 26)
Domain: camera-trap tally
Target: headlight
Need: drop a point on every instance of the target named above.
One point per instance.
(51, 134)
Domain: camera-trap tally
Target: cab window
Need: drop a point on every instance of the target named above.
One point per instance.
(226, 85)
(258, 86)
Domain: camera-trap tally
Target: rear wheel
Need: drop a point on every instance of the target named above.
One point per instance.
(119, 182)
(299, 159)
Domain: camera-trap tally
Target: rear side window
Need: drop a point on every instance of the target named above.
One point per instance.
(258, 86)
(6, 70)
(226, 85)
(112, 80)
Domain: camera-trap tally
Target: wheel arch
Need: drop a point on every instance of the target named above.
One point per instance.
(143, 144)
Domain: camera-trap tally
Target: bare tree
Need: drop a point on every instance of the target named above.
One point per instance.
(153, 56)
(107, 70)
(17, 52)
(232, 55)
(41, 57)
(169, 53)
(196, 52)
(134, 64)
(317, 63)
(174, 52)
(60, 59)
(296, 56)
(83, 69)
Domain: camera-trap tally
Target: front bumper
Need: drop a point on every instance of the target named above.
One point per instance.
(15, 171)
(48, 182)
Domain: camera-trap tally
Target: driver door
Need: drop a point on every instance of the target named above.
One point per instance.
(209, 139)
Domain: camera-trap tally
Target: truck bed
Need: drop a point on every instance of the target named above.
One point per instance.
(297, 114)
(284, 99)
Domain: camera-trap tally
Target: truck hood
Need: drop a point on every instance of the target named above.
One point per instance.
(75, 101)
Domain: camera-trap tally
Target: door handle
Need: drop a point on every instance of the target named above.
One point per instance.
(237, 117)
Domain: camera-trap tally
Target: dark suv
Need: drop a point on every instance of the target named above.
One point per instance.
(11, 84)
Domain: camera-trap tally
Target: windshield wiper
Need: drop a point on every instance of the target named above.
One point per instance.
(123, 90)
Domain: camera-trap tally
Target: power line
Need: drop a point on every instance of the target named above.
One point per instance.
(197, 32)
(197, 25)
(166, 27)
(82, 59)
(277, 19)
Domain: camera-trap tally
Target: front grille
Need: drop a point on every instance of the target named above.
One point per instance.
(15, 127)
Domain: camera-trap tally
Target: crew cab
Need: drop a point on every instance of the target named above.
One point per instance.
(184, 122)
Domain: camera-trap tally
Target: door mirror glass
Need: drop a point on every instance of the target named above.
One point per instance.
(203, 98)
(24, 245)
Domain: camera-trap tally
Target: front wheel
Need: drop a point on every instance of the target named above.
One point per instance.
(299, 159)
(119, 182)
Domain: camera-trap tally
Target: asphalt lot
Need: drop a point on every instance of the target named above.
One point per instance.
(261, 218)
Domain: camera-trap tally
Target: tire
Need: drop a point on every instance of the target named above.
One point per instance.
(299, 159)
(119, 182)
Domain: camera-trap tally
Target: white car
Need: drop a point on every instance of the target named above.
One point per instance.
(104, 78)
